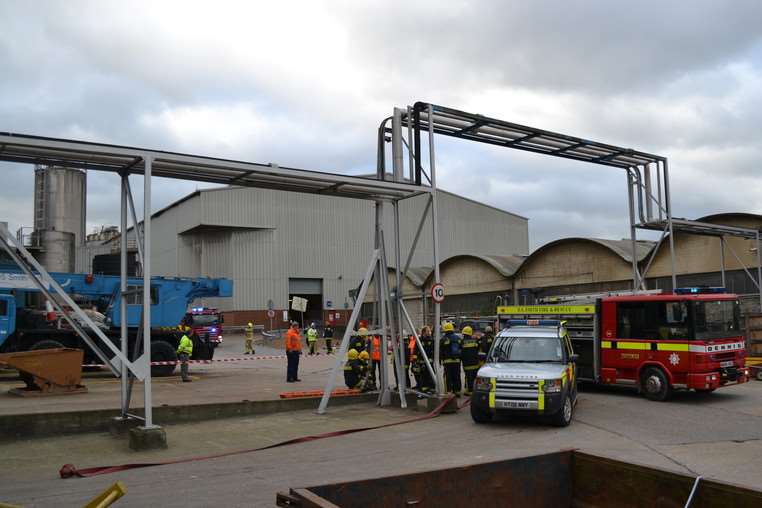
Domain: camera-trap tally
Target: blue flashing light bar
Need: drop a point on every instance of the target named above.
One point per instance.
(700, 290)
(533, 322)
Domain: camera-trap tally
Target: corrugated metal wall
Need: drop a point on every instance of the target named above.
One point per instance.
(311, 236)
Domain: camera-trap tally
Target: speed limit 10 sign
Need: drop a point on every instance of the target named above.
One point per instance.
(437, 293)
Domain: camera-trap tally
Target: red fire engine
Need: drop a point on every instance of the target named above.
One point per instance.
(690, 339)
(205, 321)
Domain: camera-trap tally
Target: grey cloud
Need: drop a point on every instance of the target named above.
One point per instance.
(643, 75)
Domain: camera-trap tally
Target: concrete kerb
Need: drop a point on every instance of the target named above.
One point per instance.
(32, 425)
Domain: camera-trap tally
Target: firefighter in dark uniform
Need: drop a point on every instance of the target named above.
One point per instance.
(358, 340)
(353, 369)
(470, 358)
(451, 348)
(485, 344)
(427, 341)
(328, 336)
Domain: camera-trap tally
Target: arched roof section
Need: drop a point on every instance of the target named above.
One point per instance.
(622, 248)
(718, 218)
(504, 265)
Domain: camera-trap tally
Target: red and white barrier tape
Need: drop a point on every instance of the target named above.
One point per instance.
(245, 358)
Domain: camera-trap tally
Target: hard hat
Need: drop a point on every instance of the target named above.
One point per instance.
(363, 355)
(312, 324)
(448, 327)
(352, 354)
(467, 330)
(362, 332)
(250, 324)
(488, 329)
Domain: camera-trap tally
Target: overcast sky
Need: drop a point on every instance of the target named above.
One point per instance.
(306, 85)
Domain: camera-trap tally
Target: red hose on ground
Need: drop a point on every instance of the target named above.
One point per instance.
(69, 471)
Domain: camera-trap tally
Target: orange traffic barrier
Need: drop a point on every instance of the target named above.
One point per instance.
(339, 392)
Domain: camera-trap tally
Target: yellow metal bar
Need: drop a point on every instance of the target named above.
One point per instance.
(606, 344)
(493, 387)
(108, 496)
(541, 395)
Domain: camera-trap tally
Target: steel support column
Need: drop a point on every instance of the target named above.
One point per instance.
(124, 381)
(147, 395)
(722, 260)
(668, 206)
(435, 248)
(633, 232)
(759, 272)
(401, 375)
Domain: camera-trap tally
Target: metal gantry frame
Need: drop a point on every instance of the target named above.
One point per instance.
(648, 183)
(647, 186)
(125, 161)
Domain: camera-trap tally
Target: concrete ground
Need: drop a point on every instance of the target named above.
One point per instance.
(717, 435)
(256, 379)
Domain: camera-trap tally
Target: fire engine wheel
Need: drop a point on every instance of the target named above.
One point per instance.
(759, 375)
(564, 415)
(655, 385)
(162, 351)
(480, 416)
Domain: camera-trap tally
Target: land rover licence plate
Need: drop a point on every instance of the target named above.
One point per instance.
(510, 404)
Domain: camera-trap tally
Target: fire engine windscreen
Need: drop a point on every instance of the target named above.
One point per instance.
(527, 349)
(716, 320)
(205, 319)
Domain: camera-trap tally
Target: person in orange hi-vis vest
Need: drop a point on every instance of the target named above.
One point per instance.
(375, 357)
(415, 366)
(293, 351)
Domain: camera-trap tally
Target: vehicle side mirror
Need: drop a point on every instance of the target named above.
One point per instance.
(574, 357)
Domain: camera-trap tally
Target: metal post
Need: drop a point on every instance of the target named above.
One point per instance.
(435, 248)
(384, 398)
(759, 272)
(341, 353)
(633, 232)
(668, 206)
(122, 296)
(649, 197)
(147, 398)
(135, 223)
(388, 314)
(411, 156)
(416, 237)
(397, 159)
(722, 260)
(401, 382)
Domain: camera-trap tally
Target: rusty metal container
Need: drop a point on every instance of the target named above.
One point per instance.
(555, 480)
(47, 371)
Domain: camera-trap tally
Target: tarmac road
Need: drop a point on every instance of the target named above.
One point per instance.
(716, 435)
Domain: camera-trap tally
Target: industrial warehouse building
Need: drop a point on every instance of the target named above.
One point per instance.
(276, 244)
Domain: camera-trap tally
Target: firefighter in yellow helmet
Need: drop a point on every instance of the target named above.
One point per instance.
(358, 341)
(248, 344)
(365, 380)
(470, 357)
(352, 369)
(451, 348)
